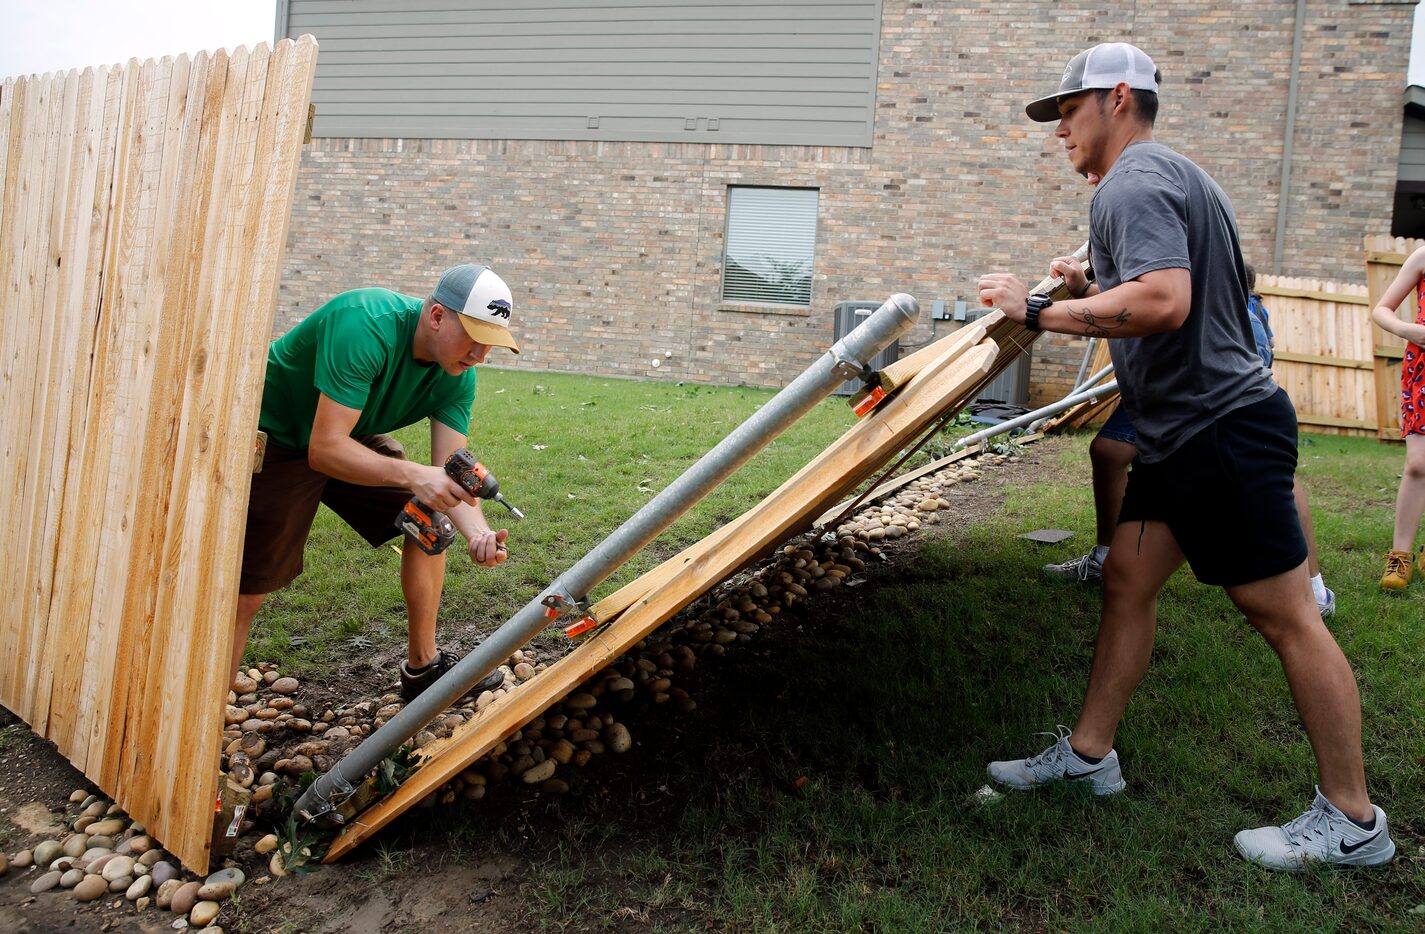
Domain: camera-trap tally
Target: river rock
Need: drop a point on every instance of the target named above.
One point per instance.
(4, 864)
(242, 684)
(266, 845)
(75, 844)
(90, 888)
(163, 871)
(23, 859)
(95, 863)
(618, 738)
(538, 773)
(163, 897)
(216, 891)
(232, 874)
(150, 857)
(120, 884)
(101, 842)
(47, 852)
(139, 888)
(285, 685)
(185, 897)
(106, 828)
(117, 868)
(71, 878)
(45, 882)
(204, 913)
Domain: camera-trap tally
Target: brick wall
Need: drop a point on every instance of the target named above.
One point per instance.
(613, 250)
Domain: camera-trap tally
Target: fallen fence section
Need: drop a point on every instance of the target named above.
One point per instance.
(847, 359)
(145, 212)
(963, 364)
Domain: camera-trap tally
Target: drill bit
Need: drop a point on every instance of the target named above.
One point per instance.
(508, 505)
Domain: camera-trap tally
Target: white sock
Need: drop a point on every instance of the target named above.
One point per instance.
(1318, 587)
(1100, 553)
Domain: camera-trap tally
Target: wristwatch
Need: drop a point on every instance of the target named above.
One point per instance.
(1032, 306)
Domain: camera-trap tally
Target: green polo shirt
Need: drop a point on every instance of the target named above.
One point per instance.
(357, 349)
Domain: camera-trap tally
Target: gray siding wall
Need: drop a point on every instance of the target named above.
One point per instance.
(1412, 149)
(792, 72)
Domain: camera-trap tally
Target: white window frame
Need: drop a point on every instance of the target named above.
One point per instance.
(769, 246)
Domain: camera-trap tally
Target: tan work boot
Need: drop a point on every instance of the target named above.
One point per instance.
(1398, 570)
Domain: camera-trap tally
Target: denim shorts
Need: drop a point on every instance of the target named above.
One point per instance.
(1226, 495)
(1119, 427)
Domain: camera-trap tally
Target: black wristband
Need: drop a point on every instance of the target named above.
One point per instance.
(1033, 305)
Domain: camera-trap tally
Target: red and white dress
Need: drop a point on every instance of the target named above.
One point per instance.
(1412, 376)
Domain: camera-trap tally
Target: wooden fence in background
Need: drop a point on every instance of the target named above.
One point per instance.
(1384, 256)
(1322, 345)
(143, 220)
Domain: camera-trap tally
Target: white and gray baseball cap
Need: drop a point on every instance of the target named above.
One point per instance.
(482, 300)
(1103, 66)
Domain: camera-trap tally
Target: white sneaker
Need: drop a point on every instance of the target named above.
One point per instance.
(1086, 569)
(1323, 835)
(1059, 763)
(1327, 606)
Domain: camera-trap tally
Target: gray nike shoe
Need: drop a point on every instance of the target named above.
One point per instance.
(1086, 569)
(1059, 763)
(1327, 606)
(1322, 835)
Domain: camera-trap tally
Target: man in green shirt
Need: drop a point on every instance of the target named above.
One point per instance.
(366, 363)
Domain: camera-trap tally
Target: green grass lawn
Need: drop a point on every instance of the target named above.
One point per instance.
(891, 702)
(893, 709)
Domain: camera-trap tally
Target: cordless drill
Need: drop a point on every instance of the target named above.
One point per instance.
(432, 530)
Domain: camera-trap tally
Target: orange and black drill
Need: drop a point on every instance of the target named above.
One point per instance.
(432, 530)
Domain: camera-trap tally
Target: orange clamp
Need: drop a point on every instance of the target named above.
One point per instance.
(580, 627)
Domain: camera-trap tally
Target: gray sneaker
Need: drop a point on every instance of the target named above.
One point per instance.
(1322, 835)
(1059, 763)
(1087, 569)
(1327, 606)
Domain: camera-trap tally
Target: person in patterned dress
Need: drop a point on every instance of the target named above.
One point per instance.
(1400, 561)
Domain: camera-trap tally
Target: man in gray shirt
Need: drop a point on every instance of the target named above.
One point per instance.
(1212, 483)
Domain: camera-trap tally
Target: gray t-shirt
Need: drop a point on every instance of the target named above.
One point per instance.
(1155, 209)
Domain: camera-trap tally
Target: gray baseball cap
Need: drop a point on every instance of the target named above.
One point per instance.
(482, 300)
(1103, 66)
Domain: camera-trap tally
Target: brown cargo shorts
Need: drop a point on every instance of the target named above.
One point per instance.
(284, 502)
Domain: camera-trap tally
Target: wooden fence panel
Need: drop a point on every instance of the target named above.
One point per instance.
(145, 213)
(1384, 257)
(1322, 345)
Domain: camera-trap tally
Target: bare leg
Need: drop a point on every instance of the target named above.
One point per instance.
(1141, 559)
(1322, 685)
(422, 578)
(1303, 510)
(1110, 460)
(1410, 501)
(247, 606)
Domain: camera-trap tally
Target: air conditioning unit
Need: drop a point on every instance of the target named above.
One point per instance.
(848, 316)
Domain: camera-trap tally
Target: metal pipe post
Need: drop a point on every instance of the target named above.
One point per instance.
(1054, 408)
(846, 359)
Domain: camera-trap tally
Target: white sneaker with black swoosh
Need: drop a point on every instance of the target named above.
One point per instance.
(1059, 763)
(1322, 835)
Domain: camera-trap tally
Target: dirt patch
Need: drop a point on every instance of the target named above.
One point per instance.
(467, 867)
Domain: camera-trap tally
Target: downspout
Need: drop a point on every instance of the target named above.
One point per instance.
(1284, 186)
(284, 17)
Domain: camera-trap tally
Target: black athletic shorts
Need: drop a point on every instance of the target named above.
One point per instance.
(284, 502)
(1226, 495)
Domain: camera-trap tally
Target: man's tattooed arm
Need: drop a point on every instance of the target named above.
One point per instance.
(1098, 325)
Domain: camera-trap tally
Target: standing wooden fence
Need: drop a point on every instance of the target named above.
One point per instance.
(1322, 346)
(143, 219)
(1384, 257)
